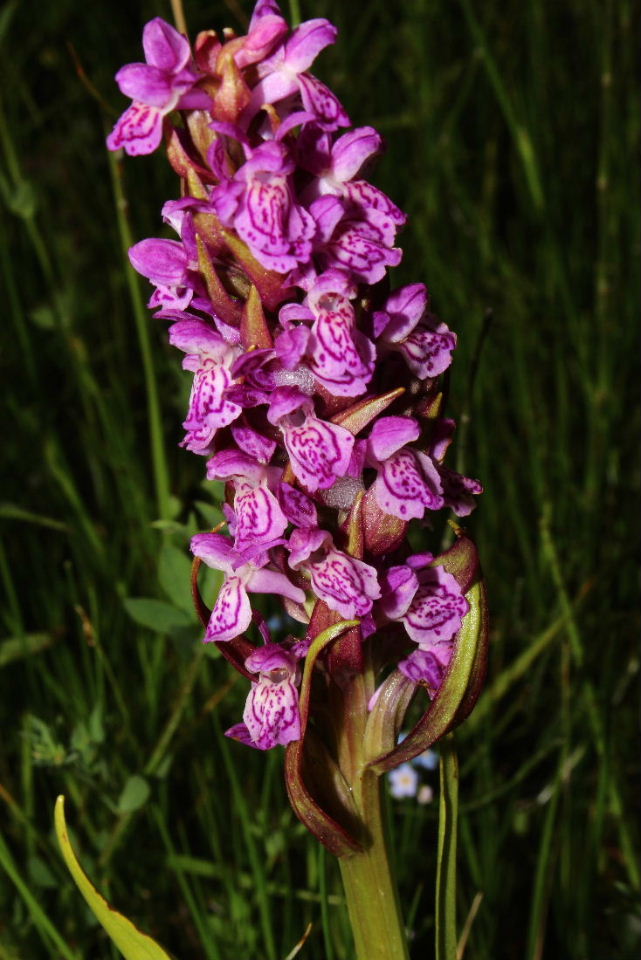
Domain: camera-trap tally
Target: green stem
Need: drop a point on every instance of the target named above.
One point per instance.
(446, 863)
(370, 889)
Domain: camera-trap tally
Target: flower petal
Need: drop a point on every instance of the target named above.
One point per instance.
(271, 713)
(214, 549)
(347, 585)
(389, 434)
(232, 613)
(297, 506)
(306, 42)
(164, 47)
(319, 451)
(144, 83)
(259, 518)
(138, 131)
(405, 490)
(209, 409)
(436, 612)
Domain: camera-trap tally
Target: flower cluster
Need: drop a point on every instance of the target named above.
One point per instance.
(316, 395)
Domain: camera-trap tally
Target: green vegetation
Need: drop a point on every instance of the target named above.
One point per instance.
(513, 137)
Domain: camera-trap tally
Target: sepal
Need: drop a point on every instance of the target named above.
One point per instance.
(226, 308)
(359, 415)
(254, 332)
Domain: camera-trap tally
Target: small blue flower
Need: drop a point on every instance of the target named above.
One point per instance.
(403, 781)
(428, 760)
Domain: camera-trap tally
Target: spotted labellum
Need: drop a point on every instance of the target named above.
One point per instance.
(317, 400)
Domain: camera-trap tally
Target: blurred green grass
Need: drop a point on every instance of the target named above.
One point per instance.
(512, 132)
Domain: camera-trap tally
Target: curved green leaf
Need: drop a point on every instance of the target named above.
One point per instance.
(132, 943)
(460, 687)
(309, 811)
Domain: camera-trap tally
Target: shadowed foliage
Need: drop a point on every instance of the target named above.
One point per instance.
(512, 129)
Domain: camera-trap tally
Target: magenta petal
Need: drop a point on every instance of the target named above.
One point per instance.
(399, 585)
(147, 84)
(304, 542)
(138, 131)
(337, 361)
(285, 400)
(271, 713)
(232, 613)
(428, 353)
(422, 665)
(306, 42)
(333, 289)
(320, 452)
(319, 100)
(209, 409)
(459, 491)
(403, 489)
(389, 434)
(357, 249)
(371, 200)
(235, 463)
(195, 336)
(263, 8)
(161, 261)
(164, 47)
(214, 549)
(261, 580)
(264, 34)
(261, 223)
(194, 100)
(347, 585)
(273, 660)
(405, 308)
(291, 345)
(327, 212)
(252, 443)
(259, 518)
(350, 151)
(437, 609)
(271, 89)
(240, 733)
(297, 507)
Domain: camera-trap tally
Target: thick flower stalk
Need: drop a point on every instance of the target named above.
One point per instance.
(317, 398)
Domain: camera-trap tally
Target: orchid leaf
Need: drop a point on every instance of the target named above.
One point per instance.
(386, 717)
(453, 700)
(445, 907)
(325, 827)
(132, 943)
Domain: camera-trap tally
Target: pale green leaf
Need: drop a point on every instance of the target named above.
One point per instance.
(135, 794)
(132, 943)
(156, 614)
(174, 574)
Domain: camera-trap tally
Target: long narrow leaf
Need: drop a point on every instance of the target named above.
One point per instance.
(132, 943)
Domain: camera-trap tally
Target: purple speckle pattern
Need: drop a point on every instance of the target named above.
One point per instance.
(319, 452)
(435, 614)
